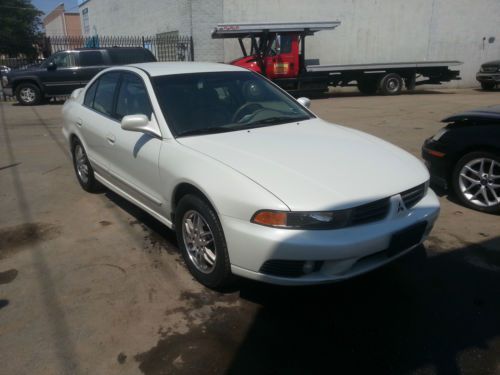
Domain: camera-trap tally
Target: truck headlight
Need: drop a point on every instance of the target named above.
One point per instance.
(302, 220)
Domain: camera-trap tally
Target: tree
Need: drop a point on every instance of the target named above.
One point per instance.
(20, 27)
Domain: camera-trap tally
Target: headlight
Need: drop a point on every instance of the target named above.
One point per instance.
(302, 220)
(439, 134)
(5, 81)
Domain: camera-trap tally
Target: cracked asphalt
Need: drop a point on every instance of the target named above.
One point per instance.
(89, 284)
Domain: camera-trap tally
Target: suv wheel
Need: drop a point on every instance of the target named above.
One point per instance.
(202, 243)
(28, 94)
(476, 181)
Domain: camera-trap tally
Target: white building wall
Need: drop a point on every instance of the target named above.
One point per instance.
(385, 30)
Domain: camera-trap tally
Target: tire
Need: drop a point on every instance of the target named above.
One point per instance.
(469, 192)
(368, 87)
(391, 84)
(192, 209)
(83, 170)
(28, 94)
(488, 85)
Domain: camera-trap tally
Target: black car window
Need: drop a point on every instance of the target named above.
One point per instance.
(90, 94)
(133, 97)
(103, 101)
(91, 58)
(125, 56)
(63, 60)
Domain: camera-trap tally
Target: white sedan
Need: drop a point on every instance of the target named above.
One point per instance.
(253, 183)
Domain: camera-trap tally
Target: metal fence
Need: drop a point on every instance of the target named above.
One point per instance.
(165, 48)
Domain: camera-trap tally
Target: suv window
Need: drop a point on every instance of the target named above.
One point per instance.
(133, 97)
(91, 58)
(120, 56)
(61, 59)
(90, 94)
(105, 92)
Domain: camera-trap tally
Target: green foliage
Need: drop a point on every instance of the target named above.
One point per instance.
(20, 27)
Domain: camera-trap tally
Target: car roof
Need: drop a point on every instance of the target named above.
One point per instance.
(167, 68)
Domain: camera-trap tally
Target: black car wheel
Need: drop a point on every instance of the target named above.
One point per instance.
(83, 169)
(28, 94)
(488, 85)
(476, 181)
(391, 84)
(201, 240)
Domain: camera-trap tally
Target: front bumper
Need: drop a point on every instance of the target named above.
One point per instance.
(341, 253)
(438, 162)
(488, 77)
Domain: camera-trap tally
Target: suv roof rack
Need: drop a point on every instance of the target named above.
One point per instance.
(239, 29)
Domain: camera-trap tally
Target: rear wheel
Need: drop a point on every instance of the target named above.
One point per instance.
(488, 85)
(28, 94)
(201, 240)
(391, 84)
(476, 181)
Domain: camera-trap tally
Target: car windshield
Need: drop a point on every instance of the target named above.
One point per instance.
(215, 102)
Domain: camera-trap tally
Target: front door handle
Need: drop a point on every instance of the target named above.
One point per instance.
(111, 139)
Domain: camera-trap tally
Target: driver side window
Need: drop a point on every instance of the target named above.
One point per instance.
(63, 60)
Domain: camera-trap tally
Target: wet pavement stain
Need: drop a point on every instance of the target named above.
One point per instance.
(15, 237)
(8, 276)
(105, 223)
(121, 358)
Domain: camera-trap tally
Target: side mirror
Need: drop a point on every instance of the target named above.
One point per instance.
(51, 66)
(306, 102)
(138, 123)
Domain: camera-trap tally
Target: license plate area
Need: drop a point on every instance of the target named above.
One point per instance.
(406, 238)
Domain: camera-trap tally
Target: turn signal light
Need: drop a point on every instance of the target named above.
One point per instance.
(270, 218)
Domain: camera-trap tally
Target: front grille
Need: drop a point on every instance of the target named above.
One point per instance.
(287, 268)
(412, 196)
(370, 212)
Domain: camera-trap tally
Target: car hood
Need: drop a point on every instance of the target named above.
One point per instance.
(491, 63)
(314, 165)
(478, 114)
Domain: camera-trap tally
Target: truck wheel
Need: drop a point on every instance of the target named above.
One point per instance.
(391, 84)
(368, 87)
(28, 94)
(488, 85)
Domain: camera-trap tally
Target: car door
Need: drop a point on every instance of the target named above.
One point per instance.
(97, 122)
(90, 63)
(60, 76)
(133, 156)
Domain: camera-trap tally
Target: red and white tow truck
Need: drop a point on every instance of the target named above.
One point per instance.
(277, 51)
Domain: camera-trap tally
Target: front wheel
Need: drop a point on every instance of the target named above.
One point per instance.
(201, 240)
(476, 181)
(83, 169)
(28, 94)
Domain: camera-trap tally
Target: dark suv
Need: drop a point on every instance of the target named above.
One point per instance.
(66, 71)
(489, 75)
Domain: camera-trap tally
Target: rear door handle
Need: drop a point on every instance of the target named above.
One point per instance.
(111, 138)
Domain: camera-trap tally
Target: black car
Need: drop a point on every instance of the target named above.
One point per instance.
(464, 156)
(489, 75)
(66, 71)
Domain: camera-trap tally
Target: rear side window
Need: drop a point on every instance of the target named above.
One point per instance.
(90, 94)
(91, 58)
(105, 92)
(133, 99)
(130, 56)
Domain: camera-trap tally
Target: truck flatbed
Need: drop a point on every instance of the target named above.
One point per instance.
(381, 66)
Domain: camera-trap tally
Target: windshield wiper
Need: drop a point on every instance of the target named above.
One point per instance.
(204, 131)
(277, 120)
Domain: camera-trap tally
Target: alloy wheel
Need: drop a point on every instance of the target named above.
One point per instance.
(479, 182)
(27, 94)
(199, 241)
(81, 163)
